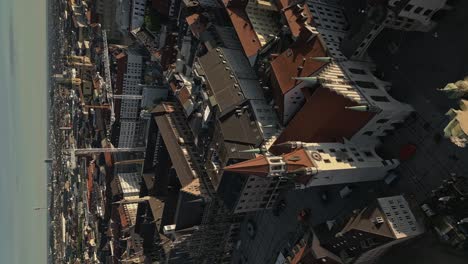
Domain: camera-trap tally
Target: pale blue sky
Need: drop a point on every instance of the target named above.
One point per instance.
(23, 75)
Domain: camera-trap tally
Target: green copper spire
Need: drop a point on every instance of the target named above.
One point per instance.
(363, 108)
(309, 80)
(323, 59)
(255, 150)
(360, 108)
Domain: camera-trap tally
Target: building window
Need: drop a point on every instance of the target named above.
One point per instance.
(418, 10)
(277, 167)
(368, 133)
(408, 7)
(380, 98)
(350, 160)
(326, 161)
(368, 154)
(381, 121)
(384, 162)
(357, 71)
(332, 150)
(427, 12)
(367, 85)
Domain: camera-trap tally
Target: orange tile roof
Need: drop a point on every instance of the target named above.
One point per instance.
(323, 118)
(123, 217)
(297, 159)
(293, 17)
(245, 31)
(286, 65)
(184, 95)
(258, 166)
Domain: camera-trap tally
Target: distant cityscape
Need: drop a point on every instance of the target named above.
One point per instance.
(255, 132)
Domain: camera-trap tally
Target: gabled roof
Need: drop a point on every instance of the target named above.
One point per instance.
(324, 118)
(293, 15)
(297, 159)
(245, 31)
(363, 221)
(230, 78)
(238, 126)
(258, 166)
(297, 62)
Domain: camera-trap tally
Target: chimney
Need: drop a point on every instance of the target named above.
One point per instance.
(299, 70)
(303, 16)
(298, 8)
(305, 35)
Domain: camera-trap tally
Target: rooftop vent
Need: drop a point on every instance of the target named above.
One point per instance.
(298, 8)
(379, 220)
(303, 16)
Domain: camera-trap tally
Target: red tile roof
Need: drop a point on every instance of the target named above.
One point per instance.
(293, 16)
(123, 217)
(286, 65)
(245, 31)
(297, 159)
(323, 118)
(258, 166)
(184, 95)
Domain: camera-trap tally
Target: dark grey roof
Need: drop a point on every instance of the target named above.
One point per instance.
(177, 157)
(189, 210)
(230, 77)
(239, 126)
(232, 150)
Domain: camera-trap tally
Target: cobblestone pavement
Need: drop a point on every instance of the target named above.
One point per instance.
(273, 233)
(422, 64)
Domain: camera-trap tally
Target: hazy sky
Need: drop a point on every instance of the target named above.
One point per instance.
(22, 131)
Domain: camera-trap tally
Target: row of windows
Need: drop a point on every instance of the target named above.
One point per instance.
(416, 10)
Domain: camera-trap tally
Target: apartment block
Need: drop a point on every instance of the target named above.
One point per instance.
(362, 236)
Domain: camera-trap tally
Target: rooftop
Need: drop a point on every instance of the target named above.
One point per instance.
(314, 124)
(297, 62)
(245, 31)
(197, 23)
(263, 19)
(165, 116)
(230, 78)
(296, 15)
(179, 140)
(239, 126)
